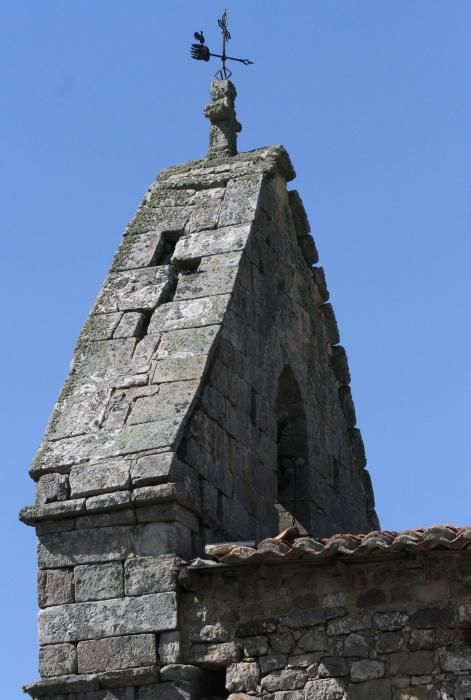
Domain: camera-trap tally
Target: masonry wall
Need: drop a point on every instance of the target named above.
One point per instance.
(393, 629)
(166, 433)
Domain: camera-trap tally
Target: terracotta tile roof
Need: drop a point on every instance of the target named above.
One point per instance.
(289, 546)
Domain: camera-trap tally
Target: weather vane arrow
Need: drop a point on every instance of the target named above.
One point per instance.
(201, 52)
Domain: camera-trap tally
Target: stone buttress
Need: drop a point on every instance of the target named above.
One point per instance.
(208, 400)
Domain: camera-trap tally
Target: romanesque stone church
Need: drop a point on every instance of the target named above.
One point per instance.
(205, 519)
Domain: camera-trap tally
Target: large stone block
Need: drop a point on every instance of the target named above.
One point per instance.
(55, 587)
(109, 618)
(178, 369)
(454, 660)
(51, 488)
(171, 403)
(240, 200)
(412, 663)
(98, 581)
(189, 313)
(158, 469)
(366, 669)
(214, 655)
(116, 653)
(290, 679)
(141, 437)
(133, 290)
(88, 480)
(242, 677)
(225, 240)
(57, 660)
(187, 342)
(327, 689)
(377, 690)
(85, 546)
(144, 575)
(163, 538)
(206, 284)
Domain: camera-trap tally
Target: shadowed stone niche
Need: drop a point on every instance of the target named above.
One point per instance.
(292, 452)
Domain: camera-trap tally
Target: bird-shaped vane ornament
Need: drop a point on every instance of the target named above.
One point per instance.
(201, 52)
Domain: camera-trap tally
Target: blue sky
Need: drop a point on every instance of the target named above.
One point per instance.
(372, 100)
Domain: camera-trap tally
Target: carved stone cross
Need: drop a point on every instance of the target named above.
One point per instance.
(224, 125)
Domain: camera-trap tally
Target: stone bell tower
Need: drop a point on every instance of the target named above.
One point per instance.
(208, 401)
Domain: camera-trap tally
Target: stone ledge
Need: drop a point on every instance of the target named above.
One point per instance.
(65, 685)
(270, 160)
(30, 515)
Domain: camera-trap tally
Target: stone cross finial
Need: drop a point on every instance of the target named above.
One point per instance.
(224, 124)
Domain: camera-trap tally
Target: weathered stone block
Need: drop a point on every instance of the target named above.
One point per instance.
(52, 487)
(134, 289)
(272, 663)
(313, 640)
(255, 646)
(330, 324)
(412, 663)
(116, 653)
(187, 342)
(98, 582)
(332, 667)
(57, 660)
(327, 689)
(141, 437)
(100, 326)
(214, 655)
(55, 587)
(284, 680)
(391, 621)
(130, 326)
(242, 677)
(67, 623)
(190, 313)
(169, 648)
(178, 369)
(108, 501)
(298, 212)
(171, 402)
(99, 478)
(167, 513)
(225, 240)
(454, 660)
(283, 643)
(85, 546)
(163, 538)
(144, 575)
(240, 200)
(309, 250)
(205, 284)
(366, 670)
(432, 617)
(157, 469)
(379, 690)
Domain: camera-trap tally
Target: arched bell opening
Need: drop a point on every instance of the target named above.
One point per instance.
(292, 454)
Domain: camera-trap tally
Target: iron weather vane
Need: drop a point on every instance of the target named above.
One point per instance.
(201, 52)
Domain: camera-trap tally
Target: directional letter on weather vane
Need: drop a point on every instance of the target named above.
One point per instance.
(200, 52)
